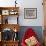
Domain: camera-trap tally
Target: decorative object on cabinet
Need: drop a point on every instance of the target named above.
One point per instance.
(6, 21)
(13, 12)
(30, 13)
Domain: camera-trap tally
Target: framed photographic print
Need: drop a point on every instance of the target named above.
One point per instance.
(30, 13)
(5, 12)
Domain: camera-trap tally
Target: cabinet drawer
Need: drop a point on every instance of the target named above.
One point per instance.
(10, 43)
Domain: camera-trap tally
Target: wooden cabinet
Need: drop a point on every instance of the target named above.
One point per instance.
(5, 26)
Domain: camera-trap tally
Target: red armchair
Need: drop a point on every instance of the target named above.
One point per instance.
(30, 34)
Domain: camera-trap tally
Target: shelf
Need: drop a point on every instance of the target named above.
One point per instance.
(10, 26)
(9, 10)
(5, 12)
(11, 41)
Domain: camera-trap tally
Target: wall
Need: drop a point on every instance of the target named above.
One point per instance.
(32, 4)
(26, 4)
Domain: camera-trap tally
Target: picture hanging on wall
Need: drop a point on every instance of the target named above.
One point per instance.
(30, 13)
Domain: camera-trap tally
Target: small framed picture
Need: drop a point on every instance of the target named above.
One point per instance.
(30, 13)
(5, 12)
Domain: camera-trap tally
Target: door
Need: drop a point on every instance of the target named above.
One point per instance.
(44, 6)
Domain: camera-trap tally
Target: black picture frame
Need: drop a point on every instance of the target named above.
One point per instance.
(30, 13)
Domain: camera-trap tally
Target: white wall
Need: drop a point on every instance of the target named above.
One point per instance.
(27, 4)
(32, 4)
